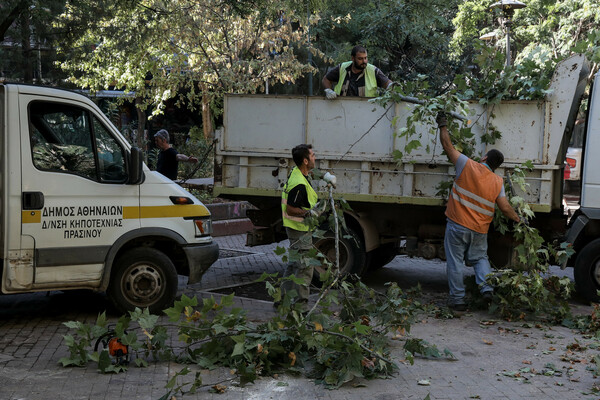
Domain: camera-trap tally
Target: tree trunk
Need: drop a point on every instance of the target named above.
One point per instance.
(15, 13)
(141, 114)
(207, 124)
(26, 49)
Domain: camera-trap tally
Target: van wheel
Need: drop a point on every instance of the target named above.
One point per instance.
(143, 277)
(587, 271)
(352, 254)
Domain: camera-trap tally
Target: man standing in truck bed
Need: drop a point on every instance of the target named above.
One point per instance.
(470, 211)
(355, 78)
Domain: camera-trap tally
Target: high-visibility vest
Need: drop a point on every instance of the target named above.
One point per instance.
(370, 79)
(473, 197)
(296, 178)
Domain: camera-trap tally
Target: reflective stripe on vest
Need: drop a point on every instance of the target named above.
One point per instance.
(296, 178)
(370, 79)
(473, 197)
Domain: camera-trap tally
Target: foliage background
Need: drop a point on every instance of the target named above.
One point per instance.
(190, 53)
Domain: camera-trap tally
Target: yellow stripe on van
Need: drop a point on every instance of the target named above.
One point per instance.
(131, 212)
(31, 216)
(174, 211)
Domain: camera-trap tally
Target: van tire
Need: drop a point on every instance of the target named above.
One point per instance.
(587, 271)
(352, 254)
(143, 277)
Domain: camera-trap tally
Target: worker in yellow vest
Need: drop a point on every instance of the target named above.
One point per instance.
(298, 203)
(470, 210)
(355, 78)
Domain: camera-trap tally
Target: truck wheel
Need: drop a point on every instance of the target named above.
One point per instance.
(587, 271)
(381, 256)
(352, 254)
(143, 277)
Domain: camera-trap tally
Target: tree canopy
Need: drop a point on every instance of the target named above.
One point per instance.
(182, 48)
(196, 50)
(407, 39)
(544, 30)
(27, 40)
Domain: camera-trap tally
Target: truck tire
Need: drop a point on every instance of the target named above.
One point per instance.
(143, 277)
(381, 256)
(352, 254)
(587, 271)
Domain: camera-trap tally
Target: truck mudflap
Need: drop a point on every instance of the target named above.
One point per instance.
(200, 258)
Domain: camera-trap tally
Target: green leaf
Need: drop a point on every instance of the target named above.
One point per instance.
(412, 145)
(173, 314)
(67, 362)
(147, 321)
(140, 362)
(129, 339)
(238, 349)
(104, 361)
(101, 320)
(73, 324)
(361, 329)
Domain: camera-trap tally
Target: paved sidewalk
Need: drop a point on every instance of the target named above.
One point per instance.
(489, 352)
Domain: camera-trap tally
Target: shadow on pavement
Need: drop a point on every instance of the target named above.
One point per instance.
(62, 305)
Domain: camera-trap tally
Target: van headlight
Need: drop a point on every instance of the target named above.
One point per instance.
(202, 227)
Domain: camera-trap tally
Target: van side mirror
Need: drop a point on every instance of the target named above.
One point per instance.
(136, 166)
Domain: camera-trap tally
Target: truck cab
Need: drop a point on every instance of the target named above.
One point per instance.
(584, 231)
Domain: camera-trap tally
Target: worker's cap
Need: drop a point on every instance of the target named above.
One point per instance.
(163, 134)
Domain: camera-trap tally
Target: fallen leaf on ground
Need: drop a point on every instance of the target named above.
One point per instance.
(424, 382)
(219, 388)
(488, 342)
(367, 363)
(292, 357)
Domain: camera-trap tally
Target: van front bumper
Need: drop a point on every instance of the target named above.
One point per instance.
(200, 258)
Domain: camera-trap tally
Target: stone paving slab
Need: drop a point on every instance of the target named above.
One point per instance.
(488, 356)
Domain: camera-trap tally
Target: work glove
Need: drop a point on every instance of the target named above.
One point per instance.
(441, 119)
(330, 179)
(330, 94)
(317, 209)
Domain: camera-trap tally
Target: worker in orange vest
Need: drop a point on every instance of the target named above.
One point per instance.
(470, 210)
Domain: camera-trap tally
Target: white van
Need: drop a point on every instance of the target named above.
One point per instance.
(80, 210)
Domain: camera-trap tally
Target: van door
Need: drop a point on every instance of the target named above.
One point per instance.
(75, 200)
